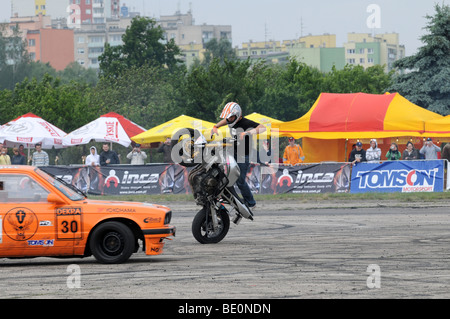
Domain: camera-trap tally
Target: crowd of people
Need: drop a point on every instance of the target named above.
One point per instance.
(40, 157)
(373, 154)
(293, 154)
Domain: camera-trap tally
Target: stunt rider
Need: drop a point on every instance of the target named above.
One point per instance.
(232, 115)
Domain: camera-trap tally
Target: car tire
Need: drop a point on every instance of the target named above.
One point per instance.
(112, 243)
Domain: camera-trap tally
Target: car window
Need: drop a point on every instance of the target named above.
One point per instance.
(69, 192)
(21, 188)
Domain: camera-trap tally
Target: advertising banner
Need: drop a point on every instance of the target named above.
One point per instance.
(308, 178)
(398, 176)
(125, 179)
(173, 178)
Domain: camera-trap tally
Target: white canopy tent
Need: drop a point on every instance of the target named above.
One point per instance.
(30, 129)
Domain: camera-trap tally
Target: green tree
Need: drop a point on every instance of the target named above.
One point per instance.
(14, 59)
(66, 106)
(147, 95)
(354, 79)
(75, 72)
(207, 89)
(221, 50)
(292, 91)
(425, 80)
(143, 43)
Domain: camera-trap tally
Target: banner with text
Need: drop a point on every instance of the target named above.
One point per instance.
(125, 179)
(173, 178)
(398, 176)
(306, 178)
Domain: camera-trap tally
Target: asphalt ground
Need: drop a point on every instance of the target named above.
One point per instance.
(339, 250)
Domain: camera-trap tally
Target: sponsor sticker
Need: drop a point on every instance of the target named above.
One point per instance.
(20, 224)
(42, 242)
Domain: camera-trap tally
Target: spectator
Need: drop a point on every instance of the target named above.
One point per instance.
(373, 153)
(21, 150)
(410, 153)
(108, 157)
(4, 157)
(137, 156)
(446, 152)
(40, 157)
(393, 154)
(293, 153)
(357, 155)
(166, 149)
(430, 150)
(93, 159)
(18, 159)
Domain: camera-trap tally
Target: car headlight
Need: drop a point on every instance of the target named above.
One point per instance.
(168, 217)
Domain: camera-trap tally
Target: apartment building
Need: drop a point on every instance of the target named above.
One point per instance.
(53, 46)
(191, 38)
(40, 7)
(90, 39)
(45, 44)
(94, 11)
(182, 29)
(368, 50)
(271, 51)
(319, 51)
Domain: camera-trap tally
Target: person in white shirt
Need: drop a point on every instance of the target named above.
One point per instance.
(93, 165)
(93, 159)
(430, 150)
(373, 153)
(137, 156)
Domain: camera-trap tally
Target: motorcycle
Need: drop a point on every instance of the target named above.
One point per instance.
(212, 179)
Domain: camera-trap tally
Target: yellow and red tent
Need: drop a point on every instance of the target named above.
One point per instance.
(439, 128)
(339, 117)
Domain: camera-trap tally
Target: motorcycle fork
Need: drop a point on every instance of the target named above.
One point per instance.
(215, 221)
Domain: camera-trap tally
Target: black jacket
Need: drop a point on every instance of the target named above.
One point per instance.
(111, 155)
(355, 153)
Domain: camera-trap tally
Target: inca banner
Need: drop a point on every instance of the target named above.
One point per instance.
(173, 178)
(307, 178)
(125, 179)
(398, 176)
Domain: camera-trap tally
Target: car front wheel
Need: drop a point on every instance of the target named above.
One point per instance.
(112, 243)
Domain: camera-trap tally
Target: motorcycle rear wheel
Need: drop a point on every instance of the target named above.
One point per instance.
(205, 234)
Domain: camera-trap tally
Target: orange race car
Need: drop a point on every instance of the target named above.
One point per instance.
(44, 216)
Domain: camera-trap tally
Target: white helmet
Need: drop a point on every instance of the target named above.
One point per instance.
(229, 110)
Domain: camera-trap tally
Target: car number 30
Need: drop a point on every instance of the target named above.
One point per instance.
(69, 227)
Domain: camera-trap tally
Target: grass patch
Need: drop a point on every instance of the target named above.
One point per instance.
(304, 198)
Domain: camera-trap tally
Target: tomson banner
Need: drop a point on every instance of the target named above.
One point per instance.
(125, 179)
(398, 176)
(307, 178)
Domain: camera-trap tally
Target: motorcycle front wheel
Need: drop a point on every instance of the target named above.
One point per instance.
(204, 232)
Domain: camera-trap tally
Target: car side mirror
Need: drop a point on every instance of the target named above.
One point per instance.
(53, 198)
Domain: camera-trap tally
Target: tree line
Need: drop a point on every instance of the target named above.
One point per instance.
(144, 80)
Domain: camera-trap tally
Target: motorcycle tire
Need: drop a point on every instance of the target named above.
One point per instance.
(203, 233)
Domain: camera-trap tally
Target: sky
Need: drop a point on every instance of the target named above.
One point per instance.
(279, 20)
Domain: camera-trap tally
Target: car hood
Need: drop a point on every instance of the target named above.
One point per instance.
(125, 205)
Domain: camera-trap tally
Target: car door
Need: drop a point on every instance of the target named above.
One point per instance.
(28, 219)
